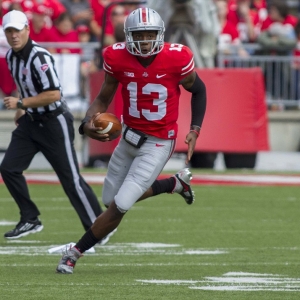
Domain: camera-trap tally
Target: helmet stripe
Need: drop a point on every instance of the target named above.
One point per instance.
(144, 15)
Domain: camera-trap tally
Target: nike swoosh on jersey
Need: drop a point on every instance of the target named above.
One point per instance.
(160, 76)
(158, 145)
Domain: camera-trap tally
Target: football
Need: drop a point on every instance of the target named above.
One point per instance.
(110, 124)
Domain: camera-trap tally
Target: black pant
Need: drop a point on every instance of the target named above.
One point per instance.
(54, 138)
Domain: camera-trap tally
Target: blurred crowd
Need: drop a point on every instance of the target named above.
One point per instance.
(270, 23)
(70, 20)
(53, 21)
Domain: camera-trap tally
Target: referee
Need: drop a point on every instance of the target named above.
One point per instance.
(43, 125)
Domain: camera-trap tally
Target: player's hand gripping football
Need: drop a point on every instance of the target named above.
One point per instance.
(190, 140)
(105, 127)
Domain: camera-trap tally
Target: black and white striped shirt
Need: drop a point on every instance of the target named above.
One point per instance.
(34, 72)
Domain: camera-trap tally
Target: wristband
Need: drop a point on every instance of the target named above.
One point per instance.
(85, 120)
(192, 130)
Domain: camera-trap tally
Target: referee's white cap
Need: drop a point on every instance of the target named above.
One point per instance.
(15, 19)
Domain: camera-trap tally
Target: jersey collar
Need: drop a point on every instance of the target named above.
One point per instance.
(24, 53)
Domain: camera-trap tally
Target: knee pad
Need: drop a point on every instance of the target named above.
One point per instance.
(128, 194)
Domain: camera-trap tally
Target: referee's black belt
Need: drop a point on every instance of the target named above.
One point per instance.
(44, 117)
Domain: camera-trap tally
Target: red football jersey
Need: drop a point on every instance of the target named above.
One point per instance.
(150, 95)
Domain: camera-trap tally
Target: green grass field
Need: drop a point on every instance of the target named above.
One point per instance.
(233, 243)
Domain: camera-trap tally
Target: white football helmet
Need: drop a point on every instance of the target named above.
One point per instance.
(143, 19)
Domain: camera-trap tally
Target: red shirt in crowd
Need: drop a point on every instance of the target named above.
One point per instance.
(54, 7)
(292, 20)
(99, 9)
(39, 24)
(258, 4)
(240, 24)
(71, 37)
(44, 35)
(229, 34)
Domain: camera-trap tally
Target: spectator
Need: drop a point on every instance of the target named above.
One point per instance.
(254, 4)
(277, 39)
(39, 32)
(20, 5)
(241, 16)
(278, 34)
(279, 12)
(228, 41)
(17, 5)
(54, 8)
(79, 10)
(99, 8)
(63, 31)
(84, 33)
(131, 7)
(199, 18)
(260, 6)
(118, 16)
(87, 65)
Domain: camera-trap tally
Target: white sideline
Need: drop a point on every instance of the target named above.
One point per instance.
(266, 161)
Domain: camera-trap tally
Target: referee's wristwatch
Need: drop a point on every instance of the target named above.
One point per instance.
(20, 104)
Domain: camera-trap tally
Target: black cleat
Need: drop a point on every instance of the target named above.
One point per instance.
(24, 228)
(183, 185)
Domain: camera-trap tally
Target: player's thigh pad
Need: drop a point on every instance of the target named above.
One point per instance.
(118, 167)
(145, 168)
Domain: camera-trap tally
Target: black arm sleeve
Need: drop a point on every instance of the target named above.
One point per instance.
(198, 101)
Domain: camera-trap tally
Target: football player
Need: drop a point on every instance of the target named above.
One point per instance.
(150, 72)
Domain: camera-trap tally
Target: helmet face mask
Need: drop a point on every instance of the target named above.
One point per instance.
(144, 19)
